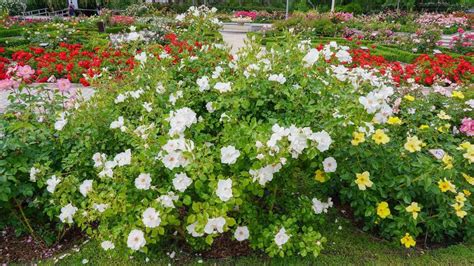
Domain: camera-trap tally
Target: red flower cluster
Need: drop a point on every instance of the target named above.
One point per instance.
(70, 61)
(122, 20)
(424, 70)
(176, 47)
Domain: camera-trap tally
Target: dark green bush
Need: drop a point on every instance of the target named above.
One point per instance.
(10, 32)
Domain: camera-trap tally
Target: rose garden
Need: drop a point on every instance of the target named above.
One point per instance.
(147, 135)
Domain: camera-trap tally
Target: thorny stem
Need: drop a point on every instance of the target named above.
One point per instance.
(26, 222)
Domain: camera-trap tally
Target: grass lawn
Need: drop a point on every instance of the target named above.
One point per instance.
(345, 246)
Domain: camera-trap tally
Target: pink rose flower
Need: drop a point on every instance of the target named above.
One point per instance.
(467, 126)
(25, 72)
(64, 85)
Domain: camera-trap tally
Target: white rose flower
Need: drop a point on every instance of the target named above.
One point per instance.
(181, 182)
(33, 172)
(123, 158)
(343, 56)
(119, 123)
(85, 187)
(120, 98)
(52, 183)
(67, 212)
(107, 245)
(330, 165)
(320, 207)
(323, 139)
(229, 155)
(167, 200)
(136, 239)
(141, 57)
(143, 181)
(151, 218)
(210, 108)
(147, 106)
(282, 237)
(223, 87)
(99, 159)
(241, 233)
(311, 57)
(192, 230)
(203, 83)
(61, 122)
(214, 225)
(224, 189)
(278, 78)
(100, 207)
(181, 119)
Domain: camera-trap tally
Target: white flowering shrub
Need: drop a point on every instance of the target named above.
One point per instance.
(202, 147)
(198, 22)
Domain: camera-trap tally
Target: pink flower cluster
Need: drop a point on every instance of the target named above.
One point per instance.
(467, 126)
(343, 16)
(243, 14)
(463, 39)
(443, 20)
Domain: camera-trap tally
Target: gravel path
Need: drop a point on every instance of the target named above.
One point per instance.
(235, 40)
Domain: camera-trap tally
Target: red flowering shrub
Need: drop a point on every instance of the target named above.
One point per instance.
(427, 69)
(424, 70)
(70, 61)
(73, 62)
(243, 14)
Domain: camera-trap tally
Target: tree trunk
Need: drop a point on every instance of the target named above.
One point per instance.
(333, 4)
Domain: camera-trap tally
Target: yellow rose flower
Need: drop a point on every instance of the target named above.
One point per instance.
(465, 145)
(466, 192)
(413, 144)
(444, 116)
(460, 198)
(363, 180)
(468, 178)
(469, 155)
(413, 208)
(459, 211)
(408, 97)
(448, 161)
(393, 120)
(424, 127)
(457, 94)
(445, 185)
(358, 137)
(408, 241)
(380, 137)
(320, 176)
(383, 210)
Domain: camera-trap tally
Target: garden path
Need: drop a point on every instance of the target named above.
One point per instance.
(446, 39)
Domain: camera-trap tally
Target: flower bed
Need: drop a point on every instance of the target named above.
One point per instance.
(193, 144)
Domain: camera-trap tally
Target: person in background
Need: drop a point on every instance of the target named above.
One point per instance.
(72, 11)
(99, 8)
